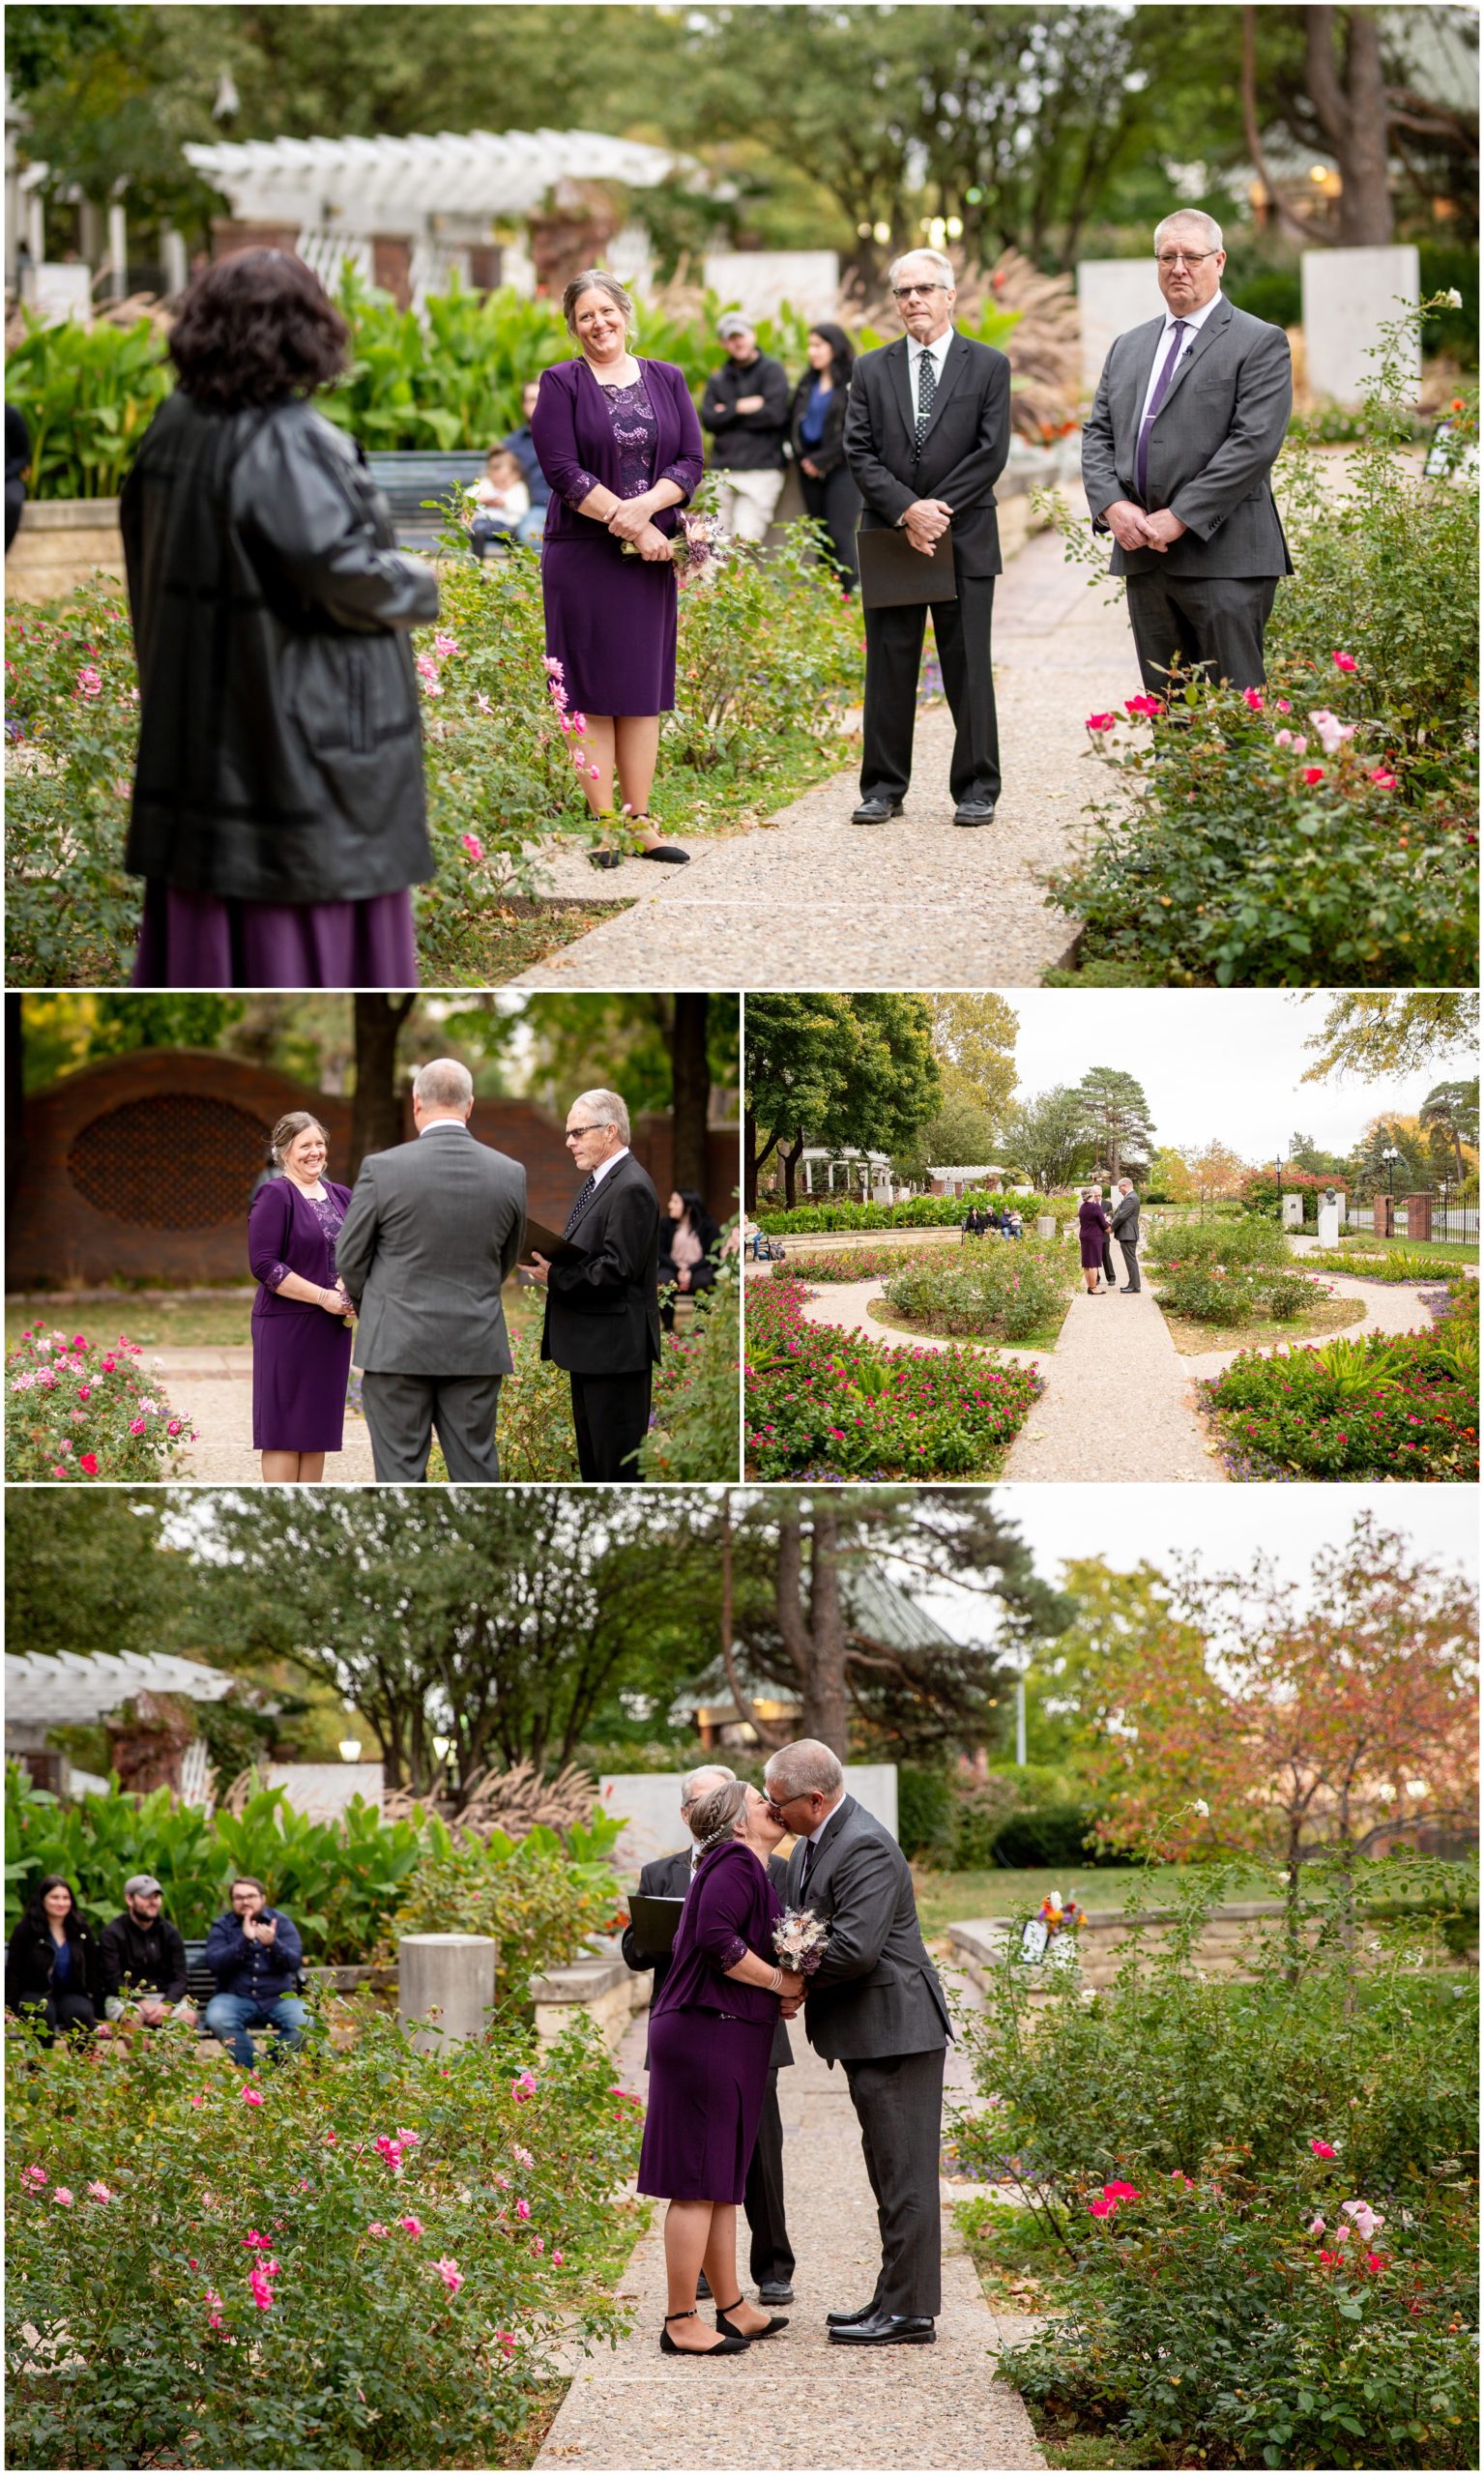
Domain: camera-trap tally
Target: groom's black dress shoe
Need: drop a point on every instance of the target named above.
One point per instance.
(845, 2319)
(878, 810)
(974, 812)
(885, 2329)
(775, 2290)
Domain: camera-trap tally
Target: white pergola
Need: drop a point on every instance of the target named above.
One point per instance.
(72, 1691)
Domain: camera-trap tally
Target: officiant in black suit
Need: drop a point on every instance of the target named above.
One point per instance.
(602, 1305)
(927, 435)
(771, 2259)
(874, 2004)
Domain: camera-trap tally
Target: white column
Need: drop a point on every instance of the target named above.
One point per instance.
(117, 250)
(445, 1988)
(176, 265)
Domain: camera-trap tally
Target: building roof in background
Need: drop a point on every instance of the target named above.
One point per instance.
(874, 1605)
(71, 1691)
(409, 180)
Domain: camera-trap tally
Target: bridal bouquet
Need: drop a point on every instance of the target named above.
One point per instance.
(799, 1939)
(697, 546)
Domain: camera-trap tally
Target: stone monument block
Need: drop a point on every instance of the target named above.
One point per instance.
(758, 281)
(1113, 295)
(1292, 1212)
(1349, 295)
(445, 1988)
(1330, 1220)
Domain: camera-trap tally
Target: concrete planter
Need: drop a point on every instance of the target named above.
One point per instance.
(59, 544)
(1224, 1949)
(603, 1991)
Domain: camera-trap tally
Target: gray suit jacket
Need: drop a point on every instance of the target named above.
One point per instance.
(1212, 449)
(1125, 1220)
(876, 1992)
(434, 1229)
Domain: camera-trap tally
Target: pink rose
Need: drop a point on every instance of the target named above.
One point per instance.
(252, 2096)
(136, 1426)
(1313, 774)
(522, 2208)
(412, 2225)
(377, 2228)
(1321, 2149)
(1252, 699)
(1345, 661)
(1100, 722)
(62, 2195)
(473, 845)
(451, 2273)
(1383, 780)
(100, 2192)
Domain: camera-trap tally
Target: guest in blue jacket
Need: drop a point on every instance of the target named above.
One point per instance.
(255, 1955)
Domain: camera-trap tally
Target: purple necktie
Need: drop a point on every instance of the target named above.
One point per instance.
(1161, 391)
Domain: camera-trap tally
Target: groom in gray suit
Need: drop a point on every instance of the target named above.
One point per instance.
(875, 2005)
(434, 1230)
(1176, 461)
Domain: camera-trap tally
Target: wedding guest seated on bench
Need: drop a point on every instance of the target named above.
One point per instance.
(255, 1954)
(143, 1958)
(51, 1964)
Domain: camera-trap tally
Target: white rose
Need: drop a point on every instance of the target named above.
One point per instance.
(1454, 299)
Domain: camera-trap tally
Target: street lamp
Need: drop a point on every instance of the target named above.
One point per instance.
(350, 1748)
(1391, 1156)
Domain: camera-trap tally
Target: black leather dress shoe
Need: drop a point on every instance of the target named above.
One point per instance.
(845, 2319)
(877, 810)
(885, 2329)
(974, 812)
(776, 2290)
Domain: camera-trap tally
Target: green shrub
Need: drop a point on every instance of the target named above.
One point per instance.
(1010, 1288)
(429, 2236)
(86, 1412)
(924, 1814)
(1399, 1406)
(694, 1434)
(1230, 1271)
(541, 1901)
(87, 393)
(919, 1211)
(1048, 1835)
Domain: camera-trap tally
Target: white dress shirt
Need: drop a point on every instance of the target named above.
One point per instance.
(598, 1173)
(1195, 320)
(938, 352)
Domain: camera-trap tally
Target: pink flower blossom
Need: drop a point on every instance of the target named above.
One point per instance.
(1345, 661)
(253, 2241)
(537, 2243)
(1317, 2226)
(553, 667)
(522, 2208)
(505, 2339)
(579, 722)
(261, 2290)
(473, 845)
(451, 2273)
(1283, 705)
(136, 1426)
(33, 2175)
(100, 2192)
(197, 2101)
(1366, 2221)
(427, 667)
(484, 704)
(89, 680)
(1100, 722)
(1313, 774)
(445, 646)
(1321, 2149)
(62, 2195)
(557, 2260)
(523, 2088)
(523, 2157)
(1331, 732)
(593, 772)
(252, 2096)
(1383, 780)
(1147, 706)
(377, 2228)
(1252, 698)
(412, 2225)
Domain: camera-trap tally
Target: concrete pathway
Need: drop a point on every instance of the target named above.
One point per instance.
(798, 2401)
(1118, 1402)
(916, 904)
(212, 1386)
(1389, 1307)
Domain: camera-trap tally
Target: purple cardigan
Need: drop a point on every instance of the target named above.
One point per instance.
(285, 1235)
(731, 1907)
(573, 435)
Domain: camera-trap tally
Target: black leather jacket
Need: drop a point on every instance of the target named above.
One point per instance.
(280, 746)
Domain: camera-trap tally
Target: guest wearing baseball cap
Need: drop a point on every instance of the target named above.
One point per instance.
(143, 1960)
(745, 407)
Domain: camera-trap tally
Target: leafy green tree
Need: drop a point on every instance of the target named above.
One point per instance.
(1410, 1170)
(65, 1030)
(1372, 1032)
(88, 1571)
(1450, 1117)
(1118, 1117)
(1169, 1176)
(1304, 1154)
(1049, 1137)
(958, 1135)
(974, 1040)
(855, 1070)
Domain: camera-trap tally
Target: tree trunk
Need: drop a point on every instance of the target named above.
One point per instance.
(691, 1086)
(824, 1705)
(15, 1093)
(1355, 120)
(376, 1123)
(790, 1159)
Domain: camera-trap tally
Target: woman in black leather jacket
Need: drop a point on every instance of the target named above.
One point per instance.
(278, 816)
(817, 444)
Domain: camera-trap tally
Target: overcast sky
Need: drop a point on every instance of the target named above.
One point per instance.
(1227, 1528)
(1213, 1063)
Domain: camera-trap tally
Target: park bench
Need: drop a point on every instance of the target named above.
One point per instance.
(409, 477)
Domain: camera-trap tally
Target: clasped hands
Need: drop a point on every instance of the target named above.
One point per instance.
(633, 520)
(791, 1995)
(336, 1301)
(926, 522)
(1133, 530)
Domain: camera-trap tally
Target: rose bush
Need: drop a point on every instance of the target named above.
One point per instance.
(79, 1411)
(693, 1424)
(822, 1401)
(540, 1899)
(919, 1211)
(1010, 1288)
(1230, 1271)
(373, 2266)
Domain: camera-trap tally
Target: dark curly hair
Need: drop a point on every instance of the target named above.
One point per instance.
(253, 328)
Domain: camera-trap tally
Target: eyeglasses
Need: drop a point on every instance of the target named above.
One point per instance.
(1184, 257)
(908, 291)
(595, 1127)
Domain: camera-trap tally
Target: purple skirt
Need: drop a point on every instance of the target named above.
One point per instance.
(300, 1366)
(213, 941)
(708, 2080)
(610, 623)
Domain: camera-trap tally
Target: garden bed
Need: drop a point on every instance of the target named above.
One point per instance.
(826, 1403)
(1389, 1406)
(1194, 1339)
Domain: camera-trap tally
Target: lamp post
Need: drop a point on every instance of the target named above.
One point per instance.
(1391, 1156)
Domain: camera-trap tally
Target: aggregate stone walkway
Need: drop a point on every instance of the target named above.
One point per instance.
(1118, 1402)
(212, 1386)
(811, 900)
(797, 2401)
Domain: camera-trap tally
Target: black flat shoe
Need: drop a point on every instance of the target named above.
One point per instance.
(607, 858)
(748, 2337)
(731, 2346)
(877, 810)
(670, 851)
(885, 2329)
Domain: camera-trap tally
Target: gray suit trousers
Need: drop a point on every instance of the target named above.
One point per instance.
(1216, 621)
(898, 2102)
(401, 1412)
(1129, 1250)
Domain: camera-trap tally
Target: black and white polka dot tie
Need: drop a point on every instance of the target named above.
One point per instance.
(927, 389)
(584, 1198)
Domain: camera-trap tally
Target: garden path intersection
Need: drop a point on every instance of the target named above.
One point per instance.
(798, 2401)
(914, 904)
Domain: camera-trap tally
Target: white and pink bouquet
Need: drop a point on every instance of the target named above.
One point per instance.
(799, 1939)
(696, 548)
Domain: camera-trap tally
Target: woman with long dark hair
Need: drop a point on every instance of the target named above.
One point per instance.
(52, 1964)
(817, 439)
(689, 1246)
(278, 815)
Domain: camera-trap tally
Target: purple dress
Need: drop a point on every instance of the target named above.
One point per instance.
(711, 2039)
(300, 1354)
(216, 941)
(610, 620)
(1093, 1226)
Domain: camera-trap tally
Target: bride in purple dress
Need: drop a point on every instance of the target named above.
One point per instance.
(301, 1315)
(619, 440)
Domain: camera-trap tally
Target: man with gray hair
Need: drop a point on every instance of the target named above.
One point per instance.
(433, 1232)
(927, 435)
(770, 2261)
(1125, 1227)
(1178, 454)
(874, 2004)
(602, 1301)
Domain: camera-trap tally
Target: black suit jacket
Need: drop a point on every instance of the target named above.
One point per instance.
(602, 1311)
(964, 452)
(876, 1992)
(669, 1877)
(1125, 1220)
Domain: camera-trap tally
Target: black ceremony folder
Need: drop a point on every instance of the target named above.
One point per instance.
(541, 1240)
(892, 574)
(653, 1921)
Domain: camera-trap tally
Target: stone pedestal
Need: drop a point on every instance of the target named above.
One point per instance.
(1045, 1224)
(1113, 295)
(59, 544)
(446, 1988)
(1292, 1212)
(1329, 1223)
(1349, 295)
(1418, 1212)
